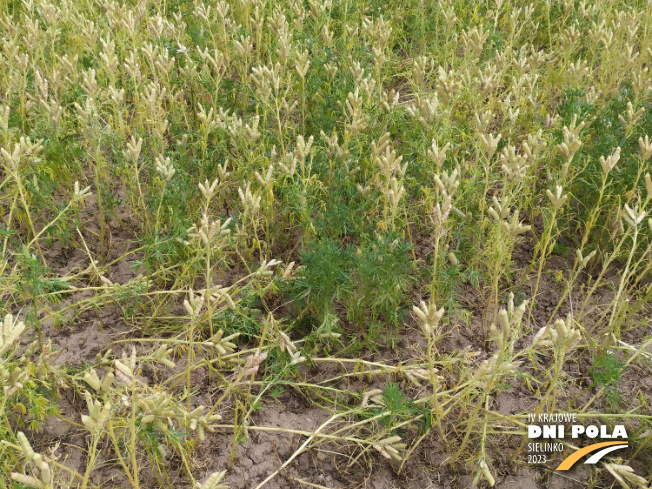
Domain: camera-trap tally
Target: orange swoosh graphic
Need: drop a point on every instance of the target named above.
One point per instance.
(574, 457)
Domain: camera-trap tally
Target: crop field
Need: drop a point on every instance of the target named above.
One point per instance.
(325, 244)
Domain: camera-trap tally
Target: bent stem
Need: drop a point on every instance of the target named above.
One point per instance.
(435, 385)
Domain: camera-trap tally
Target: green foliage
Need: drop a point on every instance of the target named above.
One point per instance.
(380, 279)
(400, 408)
(606, 372)
(326, 275)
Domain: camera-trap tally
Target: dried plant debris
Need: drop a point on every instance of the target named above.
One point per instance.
(324, 244)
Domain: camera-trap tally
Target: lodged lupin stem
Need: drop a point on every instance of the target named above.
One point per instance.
(429, 318)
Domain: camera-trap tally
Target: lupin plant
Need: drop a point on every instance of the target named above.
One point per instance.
(562, 337)
(43, 477)
(231, 202)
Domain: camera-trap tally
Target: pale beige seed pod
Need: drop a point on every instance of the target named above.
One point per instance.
(28, 480)
(213, 481)
(164, 167)
(250, 201)
(297, 358)
(253, 363)
(490, 143)
(285, 343)
(395, 192)
(80, 194)
(508, 320)
(4, 118)
(557, 198)
(194, 303)
(25, 446)
(389, 447)
(514, 227)
(419, 69)
(633, 216)
(378, 148)
(571, 143)
(562, 336)
(610, 162)
(92, 379)
(133, 148)
(106, 383)
(389, 163)
(103, 416)
(268, 180)
(551, 120)
(372, 397)
(646, 147)
(222, 344)
(631, 117)
(303, 148)
(389, 101)
(43, 467)
(10, 331)
(265, 269)
(513, 164)
(14, 381)
(208, 189)
(475, 39)
(429, 316)
(162, 354)
(363, 191)
(624, 474)
(221, 294)
(496, 335)
(438, 155)
(123, 373)
(540, 335)
(302, 64)
(223, 170)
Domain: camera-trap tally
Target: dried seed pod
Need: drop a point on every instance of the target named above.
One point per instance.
(509, 321)
(92, 379)
(28, 480)
(429, 316)
(557, 199)
(106, 383)
(648, 185)
(124, 373)
(610, 162)
(10, 331)
(646, 148)
(389, 447)
(374, 395)
(624, 474)
(631, 117)
(437, 155)
(45, 475)
(562, 336)
(633, 216)
(213, 481)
